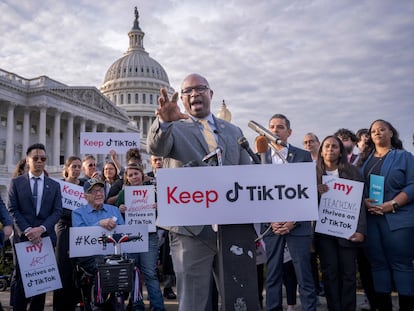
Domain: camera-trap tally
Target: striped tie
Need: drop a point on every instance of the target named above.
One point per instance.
(208, 135)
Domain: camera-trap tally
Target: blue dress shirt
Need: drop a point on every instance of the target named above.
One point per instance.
(86, 216)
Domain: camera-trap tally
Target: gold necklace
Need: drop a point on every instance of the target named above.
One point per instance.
(381, 155)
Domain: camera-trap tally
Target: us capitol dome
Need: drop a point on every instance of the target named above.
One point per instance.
(133, 82)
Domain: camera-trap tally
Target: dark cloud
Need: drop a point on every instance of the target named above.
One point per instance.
(325, 64)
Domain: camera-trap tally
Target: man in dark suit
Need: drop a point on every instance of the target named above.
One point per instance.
(35, 204)
(297, 235)
(179, 139)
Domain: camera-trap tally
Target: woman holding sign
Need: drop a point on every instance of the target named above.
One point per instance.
(66, 297)
(146, 262)
(338, 255)
(389, 175)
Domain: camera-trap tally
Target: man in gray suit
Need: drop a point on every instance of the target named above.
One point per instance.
(35, 204)
(179, 139)
(297, 235)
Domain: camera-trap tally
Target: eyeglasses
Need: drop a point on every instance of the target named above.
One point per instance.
(91, 165)
(96, 191)
(199, 89)
(37, 158)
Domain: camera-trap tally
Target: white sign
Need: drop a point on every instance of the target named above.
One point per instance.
(339, 207)
(236, 194)
(84, 241)
(103, 142)
(72, 195)
(38, 267)
(140, 203)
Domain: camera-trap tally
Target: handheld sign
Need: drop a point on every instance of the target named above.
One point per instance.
(140, 203)
(72, 195)
(38, 267)
(103, 142)
(84, 241)
(339, 207)
(236, 194)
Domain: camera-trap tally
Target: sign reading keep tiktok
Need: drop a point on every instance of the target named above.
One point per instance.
(237, 194)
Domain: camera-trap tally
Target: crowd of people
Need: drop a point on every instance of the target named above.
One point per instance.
(380, 248)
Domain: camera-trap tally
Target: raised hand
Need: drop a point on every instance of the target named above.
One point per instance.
(168, 110)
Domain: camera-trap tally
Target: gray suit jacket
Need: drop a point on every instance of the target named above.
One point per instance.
(183, 142)
(22, 207)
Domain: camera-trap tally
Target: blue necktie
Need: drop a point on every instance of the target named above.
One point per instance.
(35, 192)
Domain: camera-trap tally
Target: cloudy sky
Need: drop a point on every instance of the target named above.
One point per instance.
(324, 64)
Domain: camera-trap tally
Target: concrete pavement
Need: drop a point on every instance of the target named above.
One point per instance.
(172, 305)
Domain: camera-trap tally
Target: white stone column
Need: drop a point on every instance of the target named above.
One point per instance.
(56, 139)
(141, 126)
(42, 124)
(10, 136)
(82, 129)
(69, 136)
(26, 131)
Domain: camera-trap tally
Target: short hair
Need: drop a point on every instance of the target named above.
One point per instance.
(35, 146)
(88, 157)
(346, 133)
(281, 116)
(314, 136)
(362, 132)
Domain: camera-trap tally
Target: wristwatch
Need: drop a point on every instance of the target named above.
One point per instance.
(394, 206)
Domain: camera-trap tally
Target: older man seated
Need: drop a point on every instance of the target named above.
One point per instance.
(95, 213)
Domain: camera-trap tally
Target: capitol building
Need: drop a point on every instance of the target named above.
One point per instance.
(47, 111)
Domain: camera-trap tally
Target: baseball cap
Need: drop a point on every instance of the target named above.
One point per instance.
(87, 186)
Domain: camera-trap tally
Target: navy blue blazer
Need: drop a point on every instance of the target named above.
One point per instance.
(296, 155)
(5, 218)
(22, 207)
(398, 172)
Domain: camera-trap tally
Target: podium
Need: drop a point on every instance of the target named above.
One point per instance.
(237, 267)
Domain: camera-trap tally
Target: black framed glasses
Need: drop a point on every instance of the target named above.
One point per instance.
(199, 89)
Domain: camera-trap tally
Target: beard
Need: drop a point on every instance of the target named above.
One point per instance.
(349, 149)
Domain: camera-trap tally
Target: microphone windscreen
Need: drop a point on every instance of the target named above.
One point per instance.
(261, 144)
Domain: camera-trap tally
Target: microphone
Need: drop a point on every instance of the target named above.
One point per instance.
(265, 132)
(262, 147)
(213, 158)
(242, 141)
(191, 163)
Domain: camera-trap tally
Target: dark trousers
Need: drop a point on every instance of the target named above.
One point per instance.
(338, 265)
(20, 302)
(65, 298)
(365, 274)
(290, 282)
